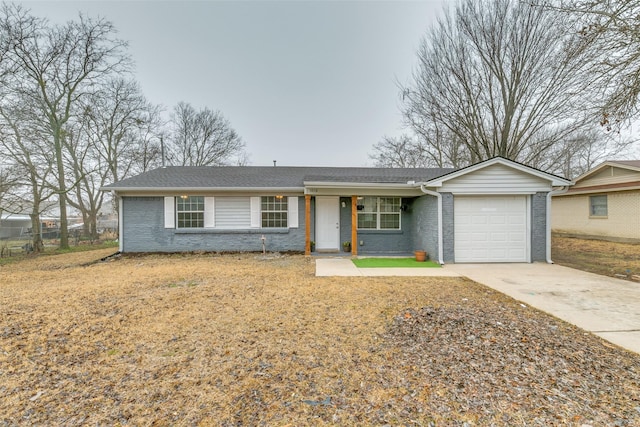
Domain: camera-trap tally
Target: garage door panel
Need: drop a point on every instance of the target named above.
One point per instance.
(516, 220)
(479, 237)
(516, 239)
(490, 229)
(478, 220)
(501, 220)
(499, 237)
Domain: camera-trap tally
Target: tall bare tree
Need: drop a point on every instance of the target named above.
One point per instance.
(59, 65)
(32, 167)
(202, 138)
(501, 78)
(401, 152)
(610, 30)
(8, 180)
(103, 144)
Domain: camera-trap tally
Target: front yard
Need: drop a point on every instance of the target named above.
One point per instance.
(240, 340)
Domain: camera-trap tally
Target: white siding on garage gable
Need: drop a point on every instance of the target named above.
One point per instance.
(495, 179)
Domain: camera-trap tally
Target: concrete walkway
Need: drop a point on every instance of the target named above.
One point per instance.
(605, 306)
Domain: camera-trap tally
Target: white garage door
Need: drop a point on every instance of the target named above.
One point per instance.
(490, 229)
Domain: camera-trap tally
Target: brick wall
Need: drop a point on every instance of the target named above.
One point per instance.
(143, 228)
(570, 214)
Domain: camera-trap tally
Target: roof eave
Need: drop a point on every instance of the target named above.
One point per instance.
(200, 189)
(605, 164)
(556, 181)
(385, 185)
(584, 191)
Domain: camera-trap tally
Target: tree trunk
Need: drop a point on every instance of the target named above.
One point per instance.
(36, 230)
(62, 191)
(93, 226)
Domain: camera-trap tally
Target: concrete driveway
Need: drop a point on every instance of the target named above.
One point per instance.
(607, 307)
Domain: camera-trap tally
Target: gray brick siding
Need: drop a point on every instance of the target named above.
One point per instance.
(380, 241)
(448, 228)
(425, 229)
(143, 229)
(539, 227)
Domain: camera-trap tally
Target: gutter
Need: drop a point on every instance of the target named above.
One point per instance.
(440, 228)
(201, 190)
(550, 194)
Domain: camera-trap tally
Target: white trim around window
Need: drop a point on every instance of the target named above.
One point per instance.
(379, 213)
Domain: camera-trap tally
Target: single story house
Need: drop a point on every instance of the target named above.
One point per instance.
(493, 211)
(604, 203)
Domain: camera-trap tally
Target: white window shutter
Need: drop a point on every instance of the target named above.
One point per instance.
(255, 212)
(169, 212)
(292, 214)
(209, 212)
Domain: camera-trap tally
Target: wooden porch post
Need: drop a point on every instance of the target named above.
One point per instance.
(307, 224)
(354, 225)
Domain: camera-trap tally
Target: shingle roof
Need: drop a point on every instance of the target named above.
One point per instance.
(268, 176)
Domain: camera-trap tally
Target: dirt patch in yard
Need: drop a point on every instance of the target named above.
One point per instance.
(614, 259)
(239, 340)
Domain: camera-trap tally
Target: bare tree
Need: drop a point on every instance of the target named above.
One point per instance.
(202, 138)
(499, 78)
(610, 31)
(8, 180)
(401, 152)
(58, 65)
(117, 118)
(103, 143)
(147, 152)
(32, 168)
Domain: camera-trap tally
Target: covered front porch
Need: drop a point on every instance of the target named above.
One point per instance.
(380, 220)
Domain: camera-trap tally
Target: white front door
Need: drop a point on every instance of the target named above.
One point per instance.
(327, 223)
(490, 229)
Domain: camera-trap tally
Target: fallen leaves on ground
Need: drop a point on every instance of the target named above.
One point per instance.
(239, 340)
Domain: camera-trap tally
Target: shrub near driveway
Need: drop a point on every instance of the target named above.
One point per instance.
(248, 340)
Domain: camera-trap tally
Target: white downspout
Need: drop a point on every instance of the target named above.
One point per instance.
(120, 223)
(550, 194)
(440, 239)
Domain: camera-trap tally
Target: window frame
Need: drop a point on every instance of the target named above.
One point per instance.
(593, 206)
(193, 222)
(279, 207)
(379, 213)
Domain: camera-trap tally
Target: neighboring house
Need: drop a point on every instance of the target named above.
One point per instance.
(493, 211)
(604, 203)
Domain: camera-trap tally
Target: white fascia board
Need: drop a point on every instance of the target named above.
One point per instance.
(600, 190)
(556, 181)
(505, 192)
(385, 185)
(203, 190)
(360, 188)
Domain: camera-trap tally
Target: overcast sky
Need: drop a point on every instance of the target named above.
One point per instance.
(303, 82)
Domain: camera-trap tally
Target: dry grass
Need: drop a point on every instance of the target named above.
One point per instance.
(241, 340)
(597, 256)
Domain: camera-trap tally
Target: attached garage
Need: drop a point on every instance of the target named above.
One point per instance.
(495, 211)
(491, 229)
